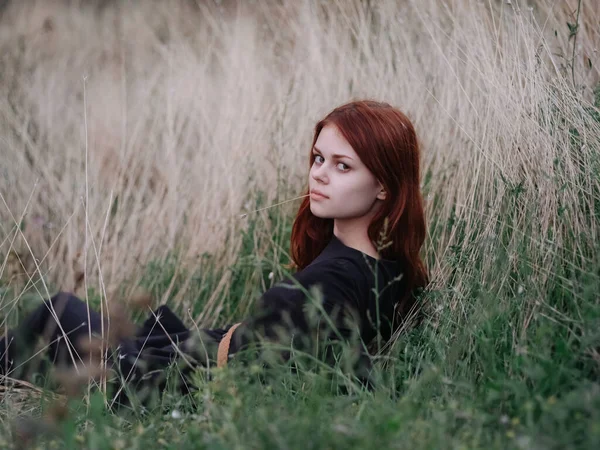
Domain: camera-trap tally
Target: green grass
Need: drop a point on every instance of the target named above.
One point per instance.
(499, 369)
(506, 361)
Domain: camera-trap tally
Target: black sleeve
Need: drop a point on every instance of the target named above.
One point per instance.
(324, 300)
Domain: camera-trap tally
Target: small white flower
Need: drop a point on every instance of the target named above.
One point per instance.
(271, 275)
(175, 414)
(520, 289)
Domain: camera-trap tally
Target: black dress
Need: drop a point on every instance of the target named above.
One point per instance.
(342, 294)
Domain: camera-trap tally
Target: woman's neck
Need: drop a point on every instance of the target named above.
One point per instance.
(353, 232)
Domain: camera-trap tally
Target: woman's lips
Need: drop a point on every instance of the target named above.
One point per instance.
(316, 196)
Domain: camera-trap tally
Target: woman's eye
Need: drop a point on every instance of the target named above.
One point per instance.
(343, 168)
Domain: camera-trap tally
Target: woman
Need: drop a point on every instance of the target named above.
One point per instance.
(355, 245)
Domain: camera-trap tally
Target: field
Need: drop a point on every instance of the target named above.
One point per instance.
(135, 135)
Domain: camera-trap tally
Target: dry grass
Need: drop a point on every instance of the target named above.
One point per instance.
(128, 132)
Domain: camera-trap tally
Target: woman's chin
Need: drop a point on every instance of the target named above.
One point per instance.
(317, 212)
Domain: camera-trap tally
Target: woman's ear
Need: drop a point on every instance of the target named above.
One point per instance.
(382, 194)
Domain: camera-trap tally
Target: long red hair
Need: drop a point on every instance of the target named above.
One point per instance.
(386, 142)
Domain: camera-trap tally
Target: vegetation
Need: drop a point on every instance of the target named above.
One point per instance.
(134, 136)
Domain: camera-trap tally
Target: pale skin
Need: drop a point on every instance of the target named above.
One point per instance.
(354, 194)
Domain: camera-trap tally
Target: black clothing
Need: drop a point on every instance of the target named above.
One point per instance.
(349, 280)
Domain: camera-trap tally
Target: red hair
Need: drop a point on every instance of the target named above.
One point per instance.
(386, 142)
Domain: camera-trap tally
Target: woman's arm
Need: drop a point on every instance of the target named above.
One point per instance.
(321, 303)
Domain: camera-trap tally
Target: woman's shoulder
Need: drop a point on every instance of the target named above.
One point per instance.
(361, 266)
(352, 265)
(357, 263)
(331, 273)
(340, 266)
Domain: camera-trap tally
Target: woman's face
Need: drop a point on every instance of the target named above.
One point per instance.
(337, 172)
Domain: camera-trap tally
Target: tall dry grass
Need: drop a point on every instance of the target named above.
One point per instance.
(132, 131)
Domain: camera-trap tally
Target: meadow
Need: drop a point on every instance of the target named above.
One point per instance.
(134, 136)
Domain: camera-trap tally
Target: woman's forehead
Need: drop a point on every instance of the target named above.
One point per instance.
(330, 141)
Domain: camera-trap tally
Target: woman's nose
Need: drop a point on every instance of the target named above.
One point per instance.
(319, 173)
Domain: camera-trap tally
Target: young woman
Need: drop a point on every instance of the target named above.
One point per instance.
(355, 246)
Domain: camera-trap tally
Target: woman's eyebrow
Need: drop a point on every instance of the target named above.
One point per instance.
(335, 155)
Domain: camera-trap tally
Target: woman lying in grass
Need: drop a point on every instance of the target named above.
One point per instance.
(350, 285)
